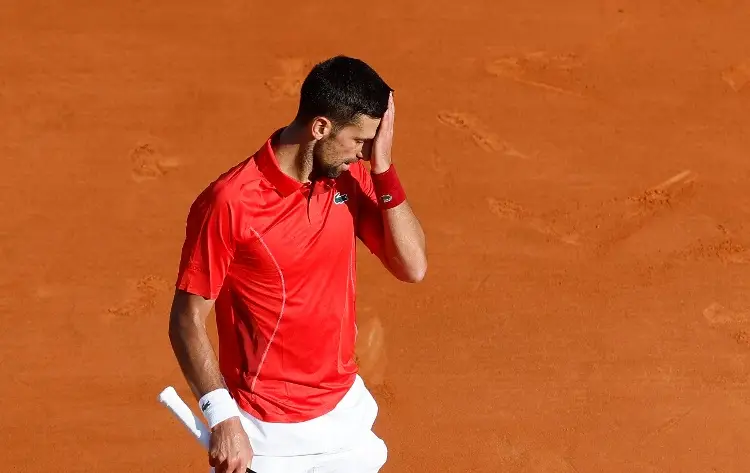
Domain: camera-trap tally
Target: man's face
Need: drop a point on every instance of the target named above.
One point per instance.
(333, 154)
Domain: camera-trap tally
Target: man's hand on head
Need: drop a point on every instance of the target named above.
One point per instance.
(380, 154)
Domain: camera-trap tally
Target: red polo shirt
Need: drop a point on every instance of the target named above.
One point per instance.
(281, 265)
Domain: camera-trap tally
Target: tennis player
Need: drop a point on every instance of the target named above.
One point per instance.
(271, 245)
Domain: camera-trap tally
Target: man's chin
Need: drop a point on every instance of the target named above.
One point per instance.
(337, 171)
(332, 173)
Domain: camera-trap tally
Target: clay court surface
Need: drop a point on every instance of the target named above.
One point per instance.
(581, 169)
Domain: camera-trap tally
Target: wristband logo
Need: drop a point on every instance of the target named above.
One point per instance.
(340, 198)
(205, 406)
(386, 198)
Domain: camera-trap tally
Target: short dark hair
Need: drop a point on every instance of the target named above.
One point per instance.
(342, 88)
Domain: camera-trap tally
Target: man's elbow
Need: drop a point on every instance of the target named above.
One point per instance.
(411, 268)
(414, 273)
(184, 318)
(177, 329)
(415, 277)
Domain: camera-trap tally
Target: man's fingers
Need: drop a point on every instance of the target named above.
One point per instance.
(221, 462)
(391, 111)
(385, 123)
(222, 467)
(237, 466)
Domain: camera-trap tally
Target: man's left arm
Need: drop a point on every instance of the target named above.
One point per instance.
(404, 251)
(389, 226)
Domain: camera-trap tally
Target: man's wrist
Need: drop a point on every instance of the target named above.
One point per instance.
(380, 168)
(218, 406)
(388, 189)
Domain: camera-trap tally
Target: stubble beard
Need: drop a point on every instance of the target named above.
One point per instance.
(319, 166)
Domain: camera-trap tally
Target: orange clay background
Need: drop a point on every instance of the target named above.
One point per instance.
(581, 170)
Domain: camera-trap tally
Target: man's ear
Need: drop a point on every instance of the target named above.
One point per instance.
(321, 127)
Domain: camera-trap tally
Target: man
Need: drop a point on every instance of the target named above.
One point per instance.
(271, 245)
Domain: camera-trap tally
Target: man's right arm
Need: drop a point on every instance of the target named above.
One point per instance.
(191, 345)
(211, 235)
(229, 446)
(207, 253)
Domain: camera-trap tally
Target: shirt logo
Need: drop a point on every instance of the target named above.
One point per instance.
(386, 198)
(340, 198)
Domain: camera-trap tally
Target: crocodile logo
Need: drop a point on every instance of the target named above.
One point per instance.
(340, 198)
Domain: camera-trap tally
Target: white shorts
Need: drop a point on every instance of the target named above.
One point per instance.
(341, 441)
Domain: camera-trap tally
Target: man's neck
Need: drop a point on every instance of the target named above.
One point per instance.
(294, 153)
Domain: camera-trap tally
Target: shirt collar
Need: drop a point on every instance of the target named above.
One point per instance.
(268, 164)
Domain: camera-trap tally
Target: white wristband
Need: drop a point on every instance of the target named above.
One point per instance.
(218, 406)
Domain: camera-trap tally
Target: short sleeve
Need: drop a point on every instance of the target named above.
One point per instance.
(209, 244)
(370, 227)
